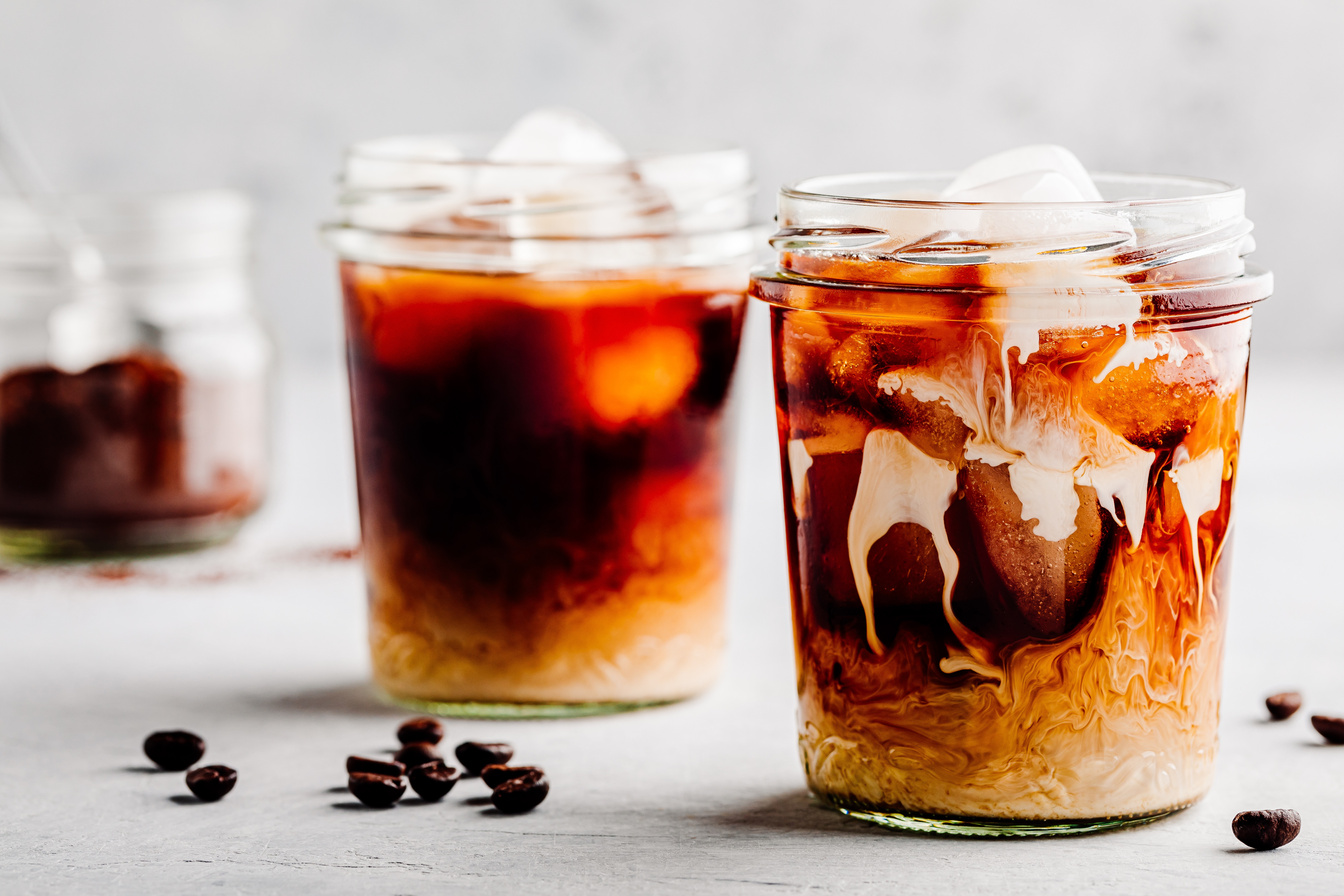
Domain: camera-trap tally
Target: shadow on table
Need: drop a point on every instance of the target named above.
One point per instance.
(799, 812)
(794, 811)
(352, 699)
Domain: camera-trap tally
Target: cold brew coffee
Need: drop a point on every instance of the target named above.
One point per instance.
(541, 349)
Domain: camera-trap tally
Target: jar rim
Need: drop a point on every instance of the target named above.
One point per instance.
(555, 256)
(1157, 235)
(430, 199)
(823, 188)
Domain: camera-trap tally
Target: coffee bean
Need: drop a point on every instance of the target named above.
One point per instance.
(412, 755)
(521, 794)
(495, 775)
(1281, 706)
(1267, 828)
(211, 782)
(1330, 728)
(378, 791)
(374, 766)
(433, 780)
(424, 730)
(174, 750)
(476, 756)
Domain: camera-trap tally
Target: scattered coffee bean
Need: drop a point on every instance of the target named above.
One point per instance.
(495, 775)
(1281, 706)
(1330, 728)
(369, 766)
(1267, 828)
(378, 791)
(521, 794)
(424, 730)
(412, 755)
(476, 756)
(433, 780)
(174, 750)
(211, 782)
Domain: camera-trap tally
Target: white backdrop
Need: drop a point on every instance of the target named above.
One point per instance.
(262, 95)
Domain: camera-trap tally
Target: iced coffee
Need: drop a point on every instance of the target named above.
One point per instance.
(541, 345)
(1009, 411)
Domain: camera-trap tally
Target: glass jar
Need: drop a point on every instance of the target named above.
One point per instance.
(135, 422)
(540, 358)
(1009, 434)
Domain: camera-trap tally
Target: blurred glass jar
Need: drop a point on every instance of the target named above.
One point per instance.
(137, 424)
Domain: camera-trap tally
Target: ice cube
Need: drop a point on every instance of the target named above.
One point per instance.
(837, 432)
(850, 366)
(899, 483)
(931, 425)
(904, 568)
(705, 188)
(1155, 403)
(1050, 247)
(1040, 173)
(1046, 581)
(557, 135)
(556, 173)
(1059, 345)
(857, 363)
(903, 564)
(641, 377)
(804, 343)
(1034, 186)
(830, 484)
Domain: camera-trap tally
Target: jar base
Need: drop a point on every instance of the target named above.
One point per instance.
(468, 709)
(142, 539)
(992, 828)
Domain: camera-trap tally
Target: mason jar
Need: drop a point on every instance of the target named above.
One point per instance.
(1010, 433)
(540, 358)
(133, 410)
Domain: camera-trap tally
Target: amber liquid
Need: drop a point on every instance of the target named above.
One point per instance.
(956, 659)
(542, 483)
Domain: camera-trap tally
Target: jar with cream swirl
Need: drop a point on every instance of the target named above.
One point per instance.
(1010, 410)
